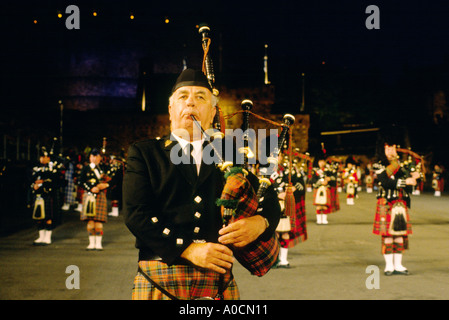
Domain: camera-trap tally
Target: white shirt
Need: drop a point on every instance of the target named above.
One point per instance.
(197, 152)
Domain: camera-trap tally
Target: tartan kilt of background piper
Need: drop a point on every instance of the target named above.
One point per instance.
(101, 206)
(335, 201)
(382, 218)
(70, 188)
(183, 281)
(69, 192)
(298, 232)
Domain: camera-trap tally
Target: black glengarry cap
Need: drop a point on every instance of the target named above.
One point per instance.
(191, 77)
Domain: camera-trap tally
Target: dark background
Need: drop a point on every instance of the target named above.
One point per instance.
(355, 78)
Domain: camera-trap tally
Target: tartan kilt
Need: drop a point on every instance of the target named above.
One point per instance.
(183, 281)
(298, 232)
(69, 192)
(335, 201)
(70, 188)
(328, 204)
(101, 208)
(441, 185)
(382, 218)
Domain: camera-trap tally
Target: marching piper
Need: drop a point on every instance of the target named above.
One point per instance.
(437, 180)
(351, 180)
(44, 187)
(369, 177)
(94, 183)
(291, 229)
(114, 194)
(392, 220)
(321, 194)
(333, 173)
(70, 188)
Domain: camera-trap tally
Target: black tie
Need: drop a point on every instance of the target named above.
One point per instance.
(191, 160)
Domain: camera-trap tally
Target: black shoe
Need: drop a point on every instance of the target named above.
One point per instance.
(389, 273)
(404, 273)
(285, 266)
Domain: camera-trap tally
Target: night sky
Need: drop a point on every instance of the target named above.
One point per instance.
(351, 71)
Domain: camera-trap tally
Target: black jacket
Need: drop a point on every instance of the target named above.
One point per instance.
(166, 208)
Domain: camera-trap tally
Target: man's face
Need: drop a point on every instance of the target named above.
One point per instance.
(95, 159)
(191, 100)
(44, 159)
(390, 152)
(321, 163)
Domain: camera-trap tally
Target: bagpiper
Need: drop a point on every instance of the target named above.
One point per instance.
(321, 190)
(369, 177)
(44, 185)
(94, 182)
(392, 220)
(333, 166)
(437, 180)
(351, 180)
(291, 229)
(70, 187)
(115, 171)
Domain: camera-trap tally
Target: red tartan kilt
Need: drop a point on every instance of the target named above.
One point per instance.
(101, 208)
(335, 201)
(382, 219)
(441, 185)
(298, 232)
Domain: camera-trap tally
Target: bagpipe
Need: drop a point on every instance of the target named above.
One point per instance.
(239, 199)
(413, 163)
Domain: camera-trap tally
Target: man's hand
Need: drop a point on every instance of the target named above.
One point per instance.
(213, 256)
(410, 181)
(37, 184)
(102, 186)
(242, 232)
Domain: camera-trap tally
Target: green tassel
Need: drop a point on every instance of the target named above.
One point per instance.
(233, 170)
(227, 203)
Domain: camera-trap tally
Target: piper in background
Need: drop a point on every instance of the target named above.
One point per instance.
(392, 220)
(43, 189)
(69, 175)
(291, 228)
(115, 172)
(438, 180)
(351, 180)
(93, 180)
(321, 194)
(333, 165)
(369, 177)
